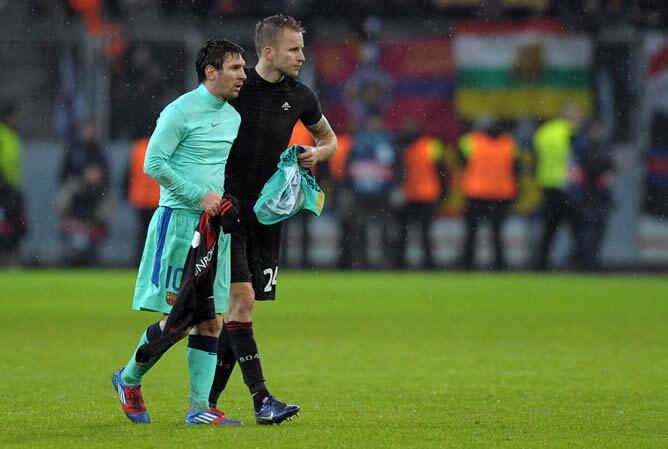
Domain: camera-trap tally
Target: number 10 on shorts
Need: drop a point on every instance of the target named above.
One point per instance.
(272, 278)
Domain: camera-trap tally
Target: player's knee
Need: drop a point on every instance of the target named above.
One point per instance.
(163, 323)
(211, 327)
(185, 332)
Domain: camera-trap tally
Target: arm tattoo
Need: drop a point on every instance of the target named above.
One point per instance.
(325, 138)
(321, 130)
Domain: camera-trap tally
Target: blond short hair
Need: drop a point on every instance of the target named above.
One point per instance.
(268, 30)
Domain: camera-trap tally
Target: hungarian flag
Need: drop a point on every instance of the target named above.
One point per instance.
(511, 70)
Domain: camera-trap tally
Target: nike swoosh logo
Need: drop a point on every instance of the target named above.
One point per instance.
(214, 124)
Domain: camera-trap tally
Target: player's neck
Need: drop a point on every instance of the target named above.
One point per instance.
(212, 91)
(267, 72)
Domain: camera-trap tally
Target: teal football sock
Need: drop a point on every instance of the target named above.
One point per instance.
(133, 372)
(202, 356)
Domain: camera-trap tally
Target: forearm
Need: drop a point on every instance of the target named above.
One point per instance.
(326, 147)
(158, 168)
(325, 139)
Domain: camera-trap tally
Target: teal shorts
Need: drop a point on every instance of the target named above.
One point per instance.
(161, 269)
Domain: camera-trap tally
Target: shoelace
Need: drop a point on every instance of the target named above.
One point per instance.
(217, 412)
(273, 402)
(133, 396)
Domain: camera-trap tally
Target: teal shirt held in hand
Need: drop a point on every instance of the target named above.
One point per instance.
(289, 190)
(188, 150)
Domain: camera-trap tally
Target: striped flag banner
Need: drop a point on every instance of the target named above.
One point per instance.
(511, 70)
(656, 94)
(656, 55)
(422, 74)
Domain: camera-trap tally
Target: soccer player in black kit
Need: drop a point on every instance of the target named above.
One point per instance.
(270, 103)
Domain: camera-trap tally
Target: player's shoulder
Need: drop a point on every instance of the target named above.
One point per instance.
(173, 111)
(231, 111)
(302, 92)
(298, 85)
(183, 102)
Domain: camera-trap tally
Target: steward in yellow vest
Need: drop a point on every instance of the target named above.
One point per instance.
(553, 147)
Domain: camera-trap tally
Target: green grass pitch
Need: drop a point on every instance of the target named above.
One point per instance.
(376, 360)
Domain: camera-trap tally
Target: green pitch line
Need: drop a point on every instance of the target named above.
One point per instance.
(375, 360)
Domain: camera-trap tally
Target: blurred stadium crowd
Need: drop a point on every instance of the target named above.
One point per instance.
(587, 13)
(486, 110)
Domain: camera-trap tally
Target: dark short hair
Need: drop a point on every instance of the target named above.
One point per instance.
(214, 52)
(269, 29)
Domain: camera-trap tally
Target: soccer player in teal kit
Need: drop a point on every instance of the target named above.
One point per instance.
(187, 155)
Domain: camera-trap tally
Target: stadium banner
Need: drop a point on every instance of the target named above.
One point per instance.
(534, 5)
(420, 76)
(656, 105)
(517, 69)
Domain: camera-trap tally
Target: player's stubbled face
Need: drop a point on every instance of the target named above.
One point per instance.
(288, 55)
(230, 79)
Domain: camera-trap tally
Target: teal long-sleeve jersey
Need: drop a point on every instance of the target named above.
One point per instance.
(188, 150)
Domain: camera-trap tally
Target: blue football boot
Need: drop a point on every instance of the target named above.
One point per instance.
(211, 416)
(131, 399)
(274, 411)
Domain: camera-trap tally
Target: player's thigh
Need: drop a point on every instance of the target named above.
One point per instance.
(210, 327)
(239, 255)
(161, 269)
(241, 293)
(221, 285)
(264, 254)
(255, 255)
(243, 262)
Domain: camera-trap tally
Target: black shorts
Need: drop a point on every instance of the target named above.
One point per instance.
(255, 252)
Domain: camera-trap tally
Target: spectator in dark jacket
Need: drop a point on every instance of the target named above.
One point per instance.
(83, 200)
(12, 223)
(83, 151)
(590, 191)
(371, 177)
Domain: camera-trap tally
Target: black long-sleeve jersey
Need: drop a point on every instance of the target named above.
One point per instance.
(268, 111)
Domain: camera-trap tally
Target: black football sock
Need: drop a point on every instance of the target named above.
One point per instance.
(224, 366)
(246, 353)
(153, 332)
(258, 392)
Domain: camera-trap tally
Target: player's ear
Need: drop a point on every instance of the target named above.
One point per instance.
(268, 52)
(210, 72)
